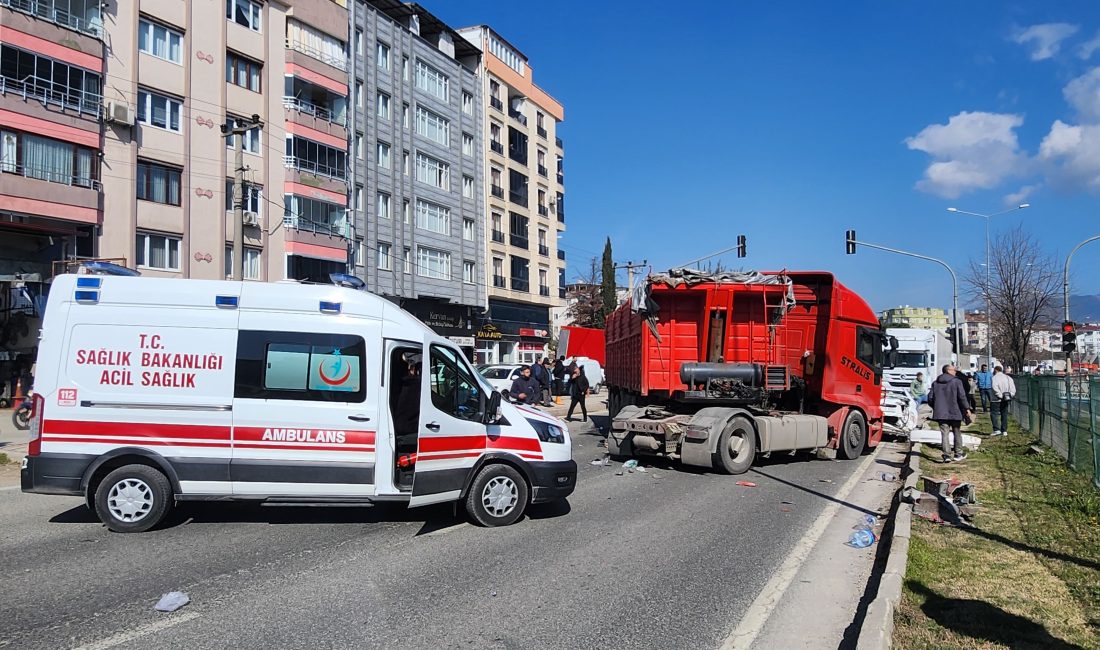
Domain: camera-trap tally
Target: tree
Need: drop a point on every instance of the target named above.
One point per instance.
(1023, 287)
(585, 303)
(607, 282)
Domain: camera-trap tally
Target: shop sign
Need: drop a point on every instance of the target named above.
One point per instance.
(527, 331)
(490, 331)
(462, 341)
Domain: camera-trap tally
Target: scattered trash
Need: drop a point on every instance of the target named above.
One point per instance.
(602, 443)
(746, 483)
(824, 480)
(887, 476)
(602, 462)
(171, 601)
(932, 437)
(945, 501)
(630, 464)
(494, 594)
(641, 469)
(1034, 450)
(861, 538)
(787, 503)
(619, 473)
(869, 521)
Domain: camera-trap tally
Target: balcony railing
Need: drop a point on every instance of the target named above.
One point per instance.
(561, 178)
(561, 255)
(50, 175)
(497, 147)
(320, 169)
(544, 211)
(338, 62)
(541, 131)
(498, 236)
(517, 116)
(544, 250)
(543, 171)
(33, 88)
(519, 198)
(519, 241)
(496, 103)
(337, 229)
(46, 10)
(544, 291)
(521, 284)
(321, 113)
(497, 191)
(499, 281)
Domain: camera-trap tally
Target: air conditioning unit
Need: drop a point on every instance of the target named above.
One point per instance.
(251, 219)
(118, 113)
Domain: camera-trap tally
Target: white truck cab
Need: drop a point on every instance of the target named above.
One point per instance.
(151, 391)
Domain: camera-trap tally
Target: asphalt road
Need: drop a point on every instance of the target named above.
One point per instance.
(661, 559)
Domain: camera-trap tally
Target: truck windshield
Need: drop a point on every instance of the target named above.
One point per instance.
(911, 360)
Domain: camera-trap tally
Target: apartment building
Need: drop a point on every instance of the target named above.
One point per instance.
(928, 318)
(525, 211)
(418, 165)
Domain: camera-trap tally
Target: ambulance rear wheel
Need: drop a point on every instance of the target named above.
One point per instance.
(853, 437)
(497, 497)
(133, 498)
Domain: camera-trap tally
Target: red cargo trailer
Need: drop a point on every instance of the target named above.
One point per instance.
(716, 368)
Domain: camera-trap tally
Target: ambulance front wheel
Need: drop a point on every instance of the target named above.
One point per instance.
(133, 498)
(497, 497)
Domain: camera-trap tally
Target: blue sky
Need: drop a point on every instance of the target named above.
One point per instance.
(791, 122)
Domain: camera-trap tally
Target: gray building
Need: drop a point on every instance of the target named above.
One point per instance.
(417, 164)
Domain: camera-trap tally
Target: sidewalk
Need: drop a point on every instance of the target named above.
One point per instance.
(13, 443)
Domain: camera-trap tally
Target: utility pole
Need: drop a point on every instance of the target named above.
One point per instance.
(1065, 294)
(629, 265)
(237, 131)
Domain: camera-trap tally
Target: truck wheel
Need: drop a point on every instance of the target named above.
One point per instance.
(613, 404)
(497, 497)
(736, 447)
(133, 499)
(853, 437)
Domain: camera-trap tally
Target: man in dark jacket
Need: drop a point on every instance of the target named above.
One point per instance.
(542, 377)
(949, 407)
(578, 391)
(559, 375)
(525, 389)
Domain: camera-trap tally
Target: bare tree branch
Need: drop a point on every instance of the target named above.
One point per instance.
(585, 300)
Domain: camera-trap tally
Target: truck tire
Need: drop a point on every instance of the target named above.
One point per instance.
(614, 403)
(133, 498)
(736, 447)
(853, 437)
(497, 497)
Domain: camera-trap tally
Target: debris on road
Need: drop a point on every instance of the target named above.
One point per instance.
(602, 462)
(746, 483)
(864, 533)
(630, 464)
(171, 601)
(824, 480)
(932, 437)
(945, 501)
(887, 476)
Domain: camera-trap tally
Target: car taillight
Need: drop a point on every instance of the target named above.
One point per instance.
(38, 414)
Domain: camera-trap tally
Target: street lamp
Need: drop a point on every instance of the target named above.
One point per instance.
(988, 308)
(1065, 289)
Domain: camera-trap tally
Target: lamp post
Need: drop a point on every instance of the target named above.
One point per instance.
(988, 308)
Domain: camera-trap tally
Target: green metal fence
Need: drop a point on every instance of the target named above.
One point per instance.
(1064, 414)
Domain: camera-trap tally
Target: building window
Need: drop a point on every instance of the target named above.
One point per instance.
(72, 87)
(517, 187)
(433, 217)
(383, 105)
(498, 229)
(253, 195)
(384, 261)
(405, 162)
(544, 282)
(382, 207)
(469, 229)
(317, 216)
(382, 55)
(315, 44)
(467, 144)
(405, 68)
(251, 269)
(468, 187)
(359, 146)
(518, 229)
(432, 81)
(498, 272)
(359, 94)
(315, 158)
(405, 115)
(406, 211)
(157, 252)
(358, 198)
(521, 279)
(159, 111)
(432, 171)
(250, 140)
(517, 145)
(158, 183)
(433, 126)
(46, 159)
(359, 42)
(406, 260)
(245, 13)
(243, 72)
(469, 272)
(431, 263)
(467, 103)
(382, 152)
(160, 41)
(510, 57)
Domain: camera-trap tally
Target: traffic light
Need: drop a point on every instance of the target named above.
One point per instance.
(1069, 336)
(952, 336)
(850, 242)
(741, 248)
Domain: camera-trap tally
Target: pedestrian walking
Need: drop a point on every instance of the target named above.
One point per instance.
(949, 408)
(1003, 388)
(985, 387)
(548, 388)
(578, 390)
(542, 377)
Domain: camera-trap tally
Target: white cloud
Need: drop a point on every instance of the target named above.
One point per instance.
(974, 150)
(1083, 94)
(1086, 49)
(1021, 195)
(1071, 156)
(1046, 39)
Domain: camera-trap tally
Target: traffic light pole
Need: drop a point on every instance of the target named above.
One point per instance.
(1065, 293)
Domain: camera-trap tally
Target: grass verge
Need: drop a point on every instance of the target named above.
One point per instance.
(1026, 576)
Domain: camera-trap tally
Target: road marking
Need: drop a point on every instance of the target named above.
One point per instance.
(758, 613)
(138, 632)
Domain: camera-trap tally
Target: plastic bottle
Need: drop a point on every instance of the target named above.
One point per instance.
(861, 538)
(868, 521)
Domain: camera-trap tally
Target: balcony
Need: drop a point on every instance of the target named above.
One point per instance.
(544, 250)
(521, 284)
(541, 131)
(35, 89)
(339, 228)
(517, 116)
(498, 236)
(544, 211)
(499, 281)
(519, 241)
(519, 198)
(543, 171)
(557, 141)
(323, 114)
(51, 175)
(497, 191)
(561, 292)
(544, 291)
(497, 147)
(496, 103)
(54, 13)
(561, 255)
(340, 63)
(318, 168)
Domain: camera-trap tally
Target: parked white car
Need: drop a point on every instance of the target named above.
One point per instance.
(500, 375)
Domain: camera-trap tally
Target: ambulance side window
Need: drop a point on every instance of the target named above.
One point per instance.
(454, 390)
(300, 366)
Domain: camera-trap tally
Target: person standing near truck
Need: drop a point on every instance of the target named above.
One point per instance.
(917, 389)
(949, 408)
(985, 386)
(578, 391)
(1004, 389)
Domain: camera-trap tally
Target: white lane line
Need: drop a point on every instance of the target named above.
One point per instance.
(770, 596)
(138, 632)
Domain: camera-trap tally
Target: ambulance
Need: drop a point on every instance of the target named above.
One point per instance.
(152, 391)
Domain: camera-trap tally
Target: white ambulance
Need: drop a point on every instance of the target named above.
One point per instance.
(151, 391)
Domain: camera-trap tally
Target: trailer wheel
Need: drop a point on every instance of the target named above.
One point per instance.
(736, 447)
(853, 437)
(613, 403)
(497, 497)
(133, 498)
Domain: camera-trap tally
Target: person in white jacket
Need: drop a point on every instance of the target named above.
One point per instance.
(1004, 390)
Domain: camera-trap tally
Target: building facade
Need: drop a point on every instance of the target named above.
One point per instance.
(418, 189)
(927, 318)
(525, 203)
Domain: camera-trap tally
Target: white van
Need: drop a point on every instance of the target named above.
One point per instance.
(151, 391)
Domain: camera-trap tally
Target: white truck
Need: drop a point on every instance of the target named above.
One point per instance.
(919, 351)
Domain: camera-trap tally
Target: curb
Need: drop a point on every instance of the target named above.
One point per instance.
(877, 631)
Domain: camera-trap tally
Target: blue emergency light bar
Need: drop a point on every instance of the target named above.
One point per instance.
(106, 268)
(328, 307)
(228, 302)
(346, 280)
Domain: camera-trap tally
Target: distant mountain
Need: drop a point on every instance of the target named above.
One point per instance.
(1084, 309)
